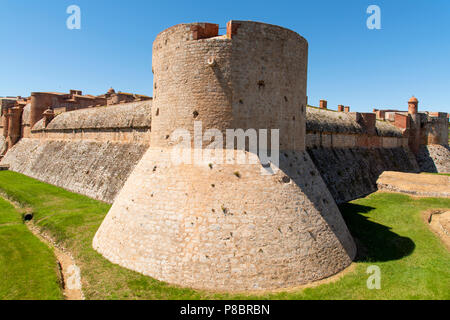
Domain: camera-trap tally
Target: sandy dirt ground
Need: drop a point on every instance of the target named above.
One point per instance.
(426, 185)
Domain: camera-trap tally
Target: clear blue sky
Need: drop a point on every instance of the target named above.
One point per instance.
(348, 63)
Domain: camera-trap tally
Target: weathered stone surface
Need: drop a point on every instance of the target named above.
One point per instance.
(434, 158)
(329, 121)
(128, 123)
(127, 115)
(2, 144)
(351, 173)
(207, 228)
(387, 129)
(95, 169)
(26, 114)
(218, 226)
(319, 120)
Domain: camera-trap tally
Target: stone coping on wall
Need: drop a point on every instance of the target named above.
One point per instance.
(319, 120)
(330, 121)
(126, 115)
(386, 129)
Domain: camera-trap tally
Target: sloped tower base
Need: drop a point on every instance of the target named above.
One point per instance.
(226, 227)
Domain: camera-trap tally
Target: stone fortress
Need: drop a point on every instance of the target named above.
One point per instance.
(220, 226)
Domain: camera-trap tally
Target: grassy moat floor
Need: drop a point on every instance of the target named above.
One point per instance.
(389, 229)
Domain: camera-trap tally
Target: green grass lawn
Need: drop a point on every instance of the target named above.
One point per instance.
(389, 229)
(439, 174)
(28, 268)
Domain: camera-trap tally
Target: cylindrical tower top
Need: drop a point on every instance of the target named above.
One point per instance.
(40, 101)
(253, 77)
(413, 104)
(14, 125)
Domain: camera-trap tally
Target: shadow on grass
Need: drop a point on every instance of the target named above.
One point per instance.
(375, 242)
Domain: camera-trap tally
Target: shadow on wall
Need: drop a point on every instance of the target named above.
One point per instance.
(375, 242)
(352, 173)
(425, 160)
(300, 169)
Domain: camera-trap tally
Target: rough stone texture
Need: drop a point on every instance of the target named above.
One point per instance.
(242, 82)
(129, 123)
(387, 129)
(331, 129)
(26, 114)
(434, 158)
(426, 185)
(209, 229)
(319, 120)
(434, 129)
(227, 227)
(95, 169)
(26, 121)
(2, 144)
(351, 173)
(127, 115)
(329, 121)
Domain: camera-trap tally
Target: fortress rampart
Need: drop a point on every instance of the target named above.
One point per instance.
(350, 171)
(215, 225)
(331, 129)
(29, 111)
(128, 123)
(351, 150)
(208, 225)
(89, 151)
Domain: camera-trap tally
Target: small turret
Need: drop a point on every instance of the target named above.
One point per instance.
(413, 104)
(48, 116)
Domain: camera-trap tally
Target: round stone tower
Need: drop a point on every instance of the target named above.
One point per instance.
(14, 125)
(413, 105)
(220, 225)
(40, 101)
(415, 128)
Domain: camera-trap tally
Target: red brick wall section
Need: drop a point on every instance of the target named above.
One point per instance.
(14, 129)
(374, 142)
(5, 122)
(401, 121)
(232, 29)
(380, 114)
(204, 31)
(367, 121)
(41, 101)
